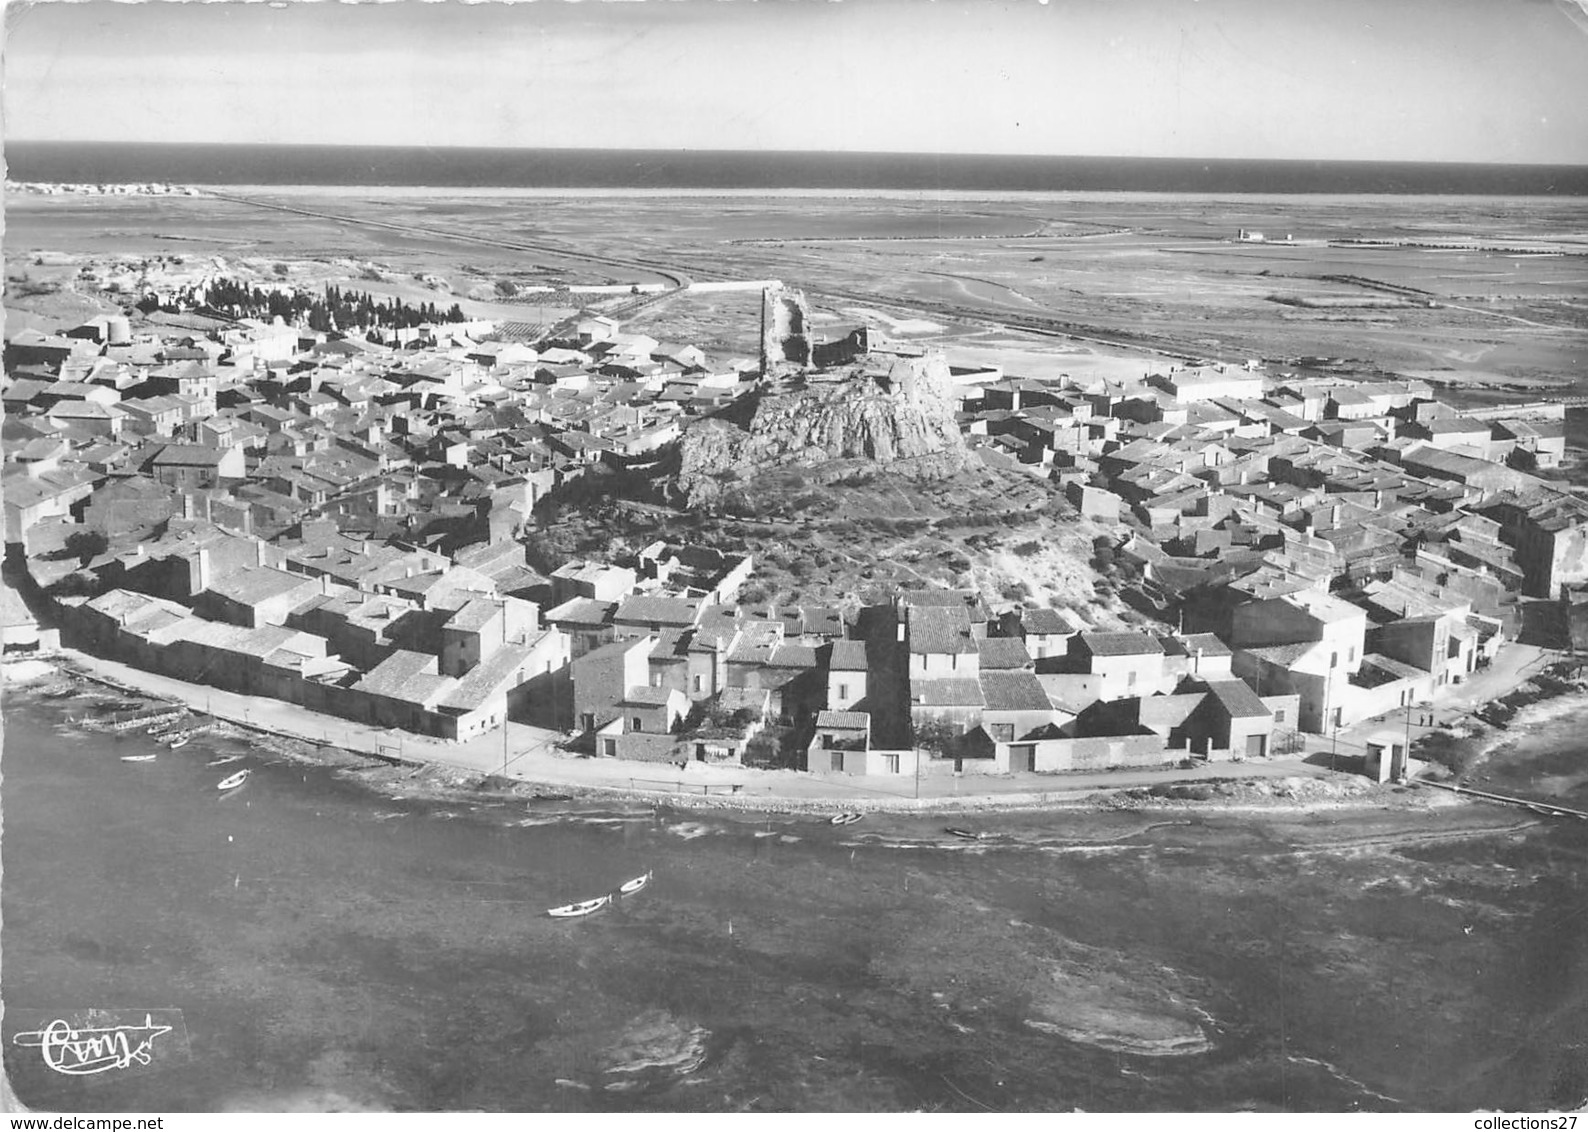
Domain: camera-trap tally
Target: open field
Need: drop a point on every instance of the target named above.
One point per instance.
(1131, 275)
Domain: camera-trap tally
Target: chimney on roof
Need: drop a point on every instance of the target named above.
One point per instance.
(198, 572)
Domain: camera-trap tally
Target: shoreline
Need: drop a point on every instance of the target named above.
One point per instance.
(1504, 720)
(1215, 794)
(1545, 709)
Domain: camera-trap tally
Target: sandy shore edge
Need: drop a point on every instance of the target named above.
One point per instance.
(439, 780)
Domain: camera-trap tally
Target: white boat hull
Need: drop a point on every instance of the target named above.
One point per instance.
(583, 908)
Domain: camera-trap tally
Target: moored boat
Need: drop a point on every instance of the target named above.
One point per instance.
(847, 818)
(178, 741)
(137, 758)
(224, 760)
(583, 908)
(965, 833)
(233, 781)
(630, 887)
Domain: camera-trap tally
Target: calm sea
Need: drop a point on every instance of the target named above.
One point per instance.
(332, 946)
(107, 162)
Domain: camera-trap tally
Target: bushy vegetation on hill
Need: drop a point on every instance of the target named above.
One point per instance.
(845, 539)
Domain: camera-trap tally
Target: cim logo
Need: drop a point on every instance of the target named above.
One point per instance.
(88, 1043)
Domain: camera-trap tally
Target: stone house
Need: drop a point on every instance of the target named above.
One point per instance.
(602, 679)
(256, 595)
(847, 675)
(1130, 664)
(481, 626)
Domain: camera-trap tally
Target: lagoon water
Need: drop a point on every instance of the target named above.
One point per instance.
(333, 946)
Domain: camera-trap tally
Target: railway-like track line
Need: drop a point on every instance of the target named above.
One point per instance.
(678, 279)
(1042, 325)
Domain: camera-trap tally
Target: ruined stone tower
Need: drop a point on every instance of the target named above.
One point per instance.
(785, 330)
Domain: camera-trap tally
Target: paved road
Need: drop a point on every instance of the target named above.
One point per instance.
(1454, 704)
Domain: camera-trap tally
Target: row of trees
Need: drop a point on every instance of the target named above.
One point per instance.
(332, 310)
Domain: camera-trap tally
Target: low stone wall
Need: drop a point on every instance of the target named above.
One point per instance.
(1105, 752)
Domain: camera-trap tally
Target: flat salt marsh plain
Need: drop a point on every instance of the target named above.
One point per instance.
(1164, 272)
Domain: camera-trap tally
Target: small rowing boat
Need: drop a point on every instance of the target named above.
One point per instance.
(224, 761)
(846, 819)
(965, 833)
(583, 908)
(137, 758)
(234, 781)
(630, 887)
(179, 741)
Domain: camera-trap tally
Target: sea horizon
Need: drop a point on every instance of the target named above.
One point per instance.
(467, 167)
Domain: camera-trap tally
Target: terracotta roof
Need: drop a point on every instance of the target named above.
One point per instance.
(946, 693)
(940, 629)
(848, 656)
(1014, 691)
(1237, 699)
(659, 610)
(1003, 652)
(1121, 644)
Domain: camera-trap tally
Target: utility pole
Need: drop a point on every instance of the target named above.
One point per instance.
(1408, 753)
(1328, 693)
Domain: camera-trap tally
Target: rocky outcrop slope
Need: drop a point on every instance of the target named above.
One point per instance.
(900, 417)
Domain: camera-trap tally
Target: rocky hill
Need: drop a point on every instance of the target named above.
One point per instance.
(898, 416)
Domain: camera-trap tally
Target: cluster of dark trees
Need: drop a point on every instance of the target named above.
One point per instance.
(334, 309)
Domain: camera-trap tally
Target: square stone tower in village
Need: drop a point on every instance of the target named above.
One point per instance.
(785, 331)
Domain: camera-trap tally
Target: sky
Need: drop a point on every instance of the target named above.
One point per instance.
(1414, 80)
